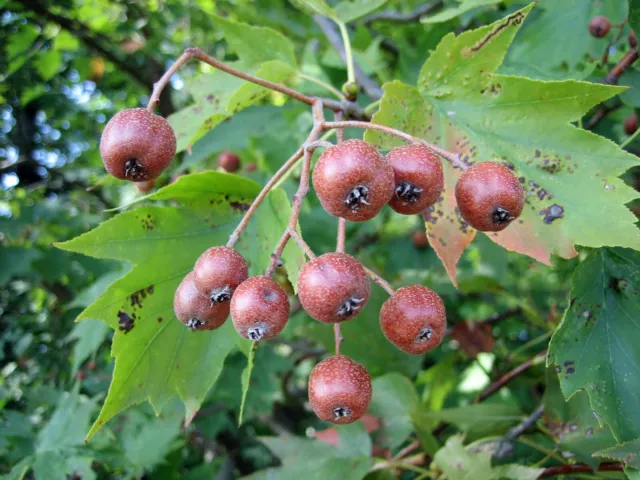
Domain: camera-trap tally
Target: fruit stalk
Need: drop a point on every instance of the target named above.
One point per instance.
(340, 246)
(303, 188)
(453, 158)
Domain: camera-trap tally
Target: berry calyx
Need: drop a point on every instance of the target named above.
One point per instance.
(194, 309)
(418, 178)
(631, 124)
(229, 161)
(333, 287)
(259, 308)
(599, 26)
(218, 272)
(414, 319)
(137, 145)
(489, 196)
(353, 181)
(339, 390)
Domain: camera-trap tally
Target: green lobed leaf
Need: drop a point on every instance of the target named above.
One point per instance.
(453, 12)
(157, 356)
(89, 335)
(312, 459)
(350, 10)
(595, 347)
(479, 419)
(394, 401)
(634, 15)
(564, 23)
(628, 453)
(315, 7)
(573, 422)
(457, 463)
(246, 379)
(461, 104)
(262, 52)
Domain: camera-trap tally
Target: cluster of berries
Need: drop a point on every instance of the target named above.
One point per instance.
(353, 181)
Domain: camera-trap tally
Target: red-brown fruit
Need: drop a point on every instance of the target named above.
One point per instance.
(420, 239)
(414, 319)
(218, 272)
(194, 309)
(599, 26)
(333, 287)
(137, 145)
(229, 161)
(353, 181)
(339, 390)
(633, 40)
(145, 187)
(489, 196)
(259, 308)
(418, 178)
(251, 167)
(631, 124)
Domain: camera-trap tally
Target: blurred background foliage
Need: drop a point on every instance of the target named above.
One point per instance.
(68, 66)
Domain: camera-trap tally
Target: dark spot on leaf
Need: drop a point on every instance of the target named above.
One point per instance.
(571, 370)
(552, 213)
(239, 206)
(538, 153)
(160, 319)
(125, 322)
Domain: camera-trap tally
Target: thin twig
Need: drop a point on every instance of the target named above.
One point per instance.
(506, 378)
(612, 78)
(233, 238)
(304, 246)
(453, 158)
(602, 112)
(340, 244)
(342, 234)
(379, 280)
(371, 88)
(408, 450)
(303, 188)
(625, 62)
(569, 469)
(198, 54)
(338, 337)
(504, 447)
(397, 17)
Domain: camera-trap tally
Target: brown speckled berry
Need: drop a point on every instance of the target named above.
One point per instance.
(229, 161)
(418, 178)
(333, 287)
(420, 239)
(489, 196)
(259, 308)
(599, 26)
(631, 124)
(137, 145)
(353, 181)
(218, 272)
(195, 310)
(414, 319)
(339, 390)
